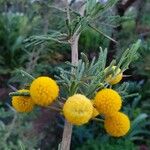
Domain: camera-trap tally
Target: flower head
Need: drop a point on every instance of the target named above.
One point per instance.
(78, 109)
(44, 91)
(116, 78)
(107, 101)
(22, 103)
(117, 124)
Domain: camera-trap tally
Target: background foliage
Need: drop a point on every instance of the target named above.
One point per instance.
(125, 22)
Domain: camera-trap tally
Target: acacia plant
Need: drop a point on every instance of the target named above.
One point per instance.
(84, 92)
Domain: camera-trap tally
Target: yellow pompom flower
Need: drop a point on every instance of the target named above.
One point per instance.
(107, 101)
(95, 111)
(117, 124)
(116, 78)
(78, 109)
(22, 103)
(44, 91)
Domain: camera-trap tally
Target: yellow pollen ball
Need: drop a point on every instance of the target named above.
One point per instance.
(107, 101)
(78, 109)
(22, 103)
(44, 91)
(117, 124)
(116, 78)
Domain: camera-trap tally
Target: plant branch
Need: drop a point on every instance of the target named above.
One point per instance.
(67, 133)
(98, 120)
(19, 94)
(68, 11)
(100, 32)
(54, 108)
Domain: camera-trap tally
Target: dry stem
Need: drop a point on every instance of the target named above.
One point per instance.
(67, 133)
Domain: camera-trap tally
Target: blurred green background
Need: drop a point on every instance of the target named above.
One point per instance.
(42, 129)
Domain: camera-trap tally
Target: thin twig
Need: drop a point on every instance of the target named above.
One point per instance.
(54, 108)
(98, 120)
(60, 103)
(131, 95)
(67, 11)
(19, 94)
(99, 31)
(24, 73)
(57, 8)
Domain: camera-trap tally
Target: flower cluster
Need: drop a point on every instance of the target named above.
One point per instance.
(43, 91)
(108, 102)
(78, 109)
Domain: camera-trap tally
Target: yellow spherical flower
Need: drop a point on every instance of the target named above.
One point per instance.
(22, 103)
(95, 111)
(107, 101)
(44, 91)
(117, 124)
(78, 109)
(116, 78)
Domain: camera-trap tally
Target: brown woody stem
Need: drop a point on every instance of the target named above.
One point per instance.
(67, 133)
